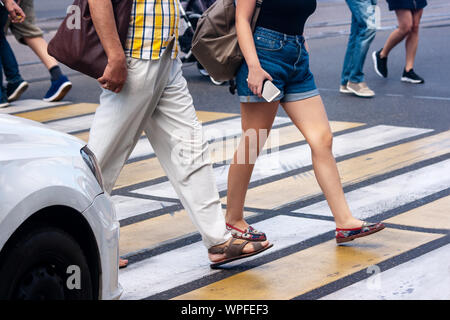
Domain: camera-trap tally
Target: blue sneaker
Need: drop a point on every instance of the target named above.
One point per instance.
(58, 89)
(15, 90)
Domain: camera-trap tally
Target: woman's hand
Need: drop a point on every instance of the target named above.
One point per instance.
(256, 77)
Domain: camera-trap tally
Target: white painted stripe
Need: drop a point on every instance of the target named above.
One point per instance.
(297, 157)
(29, 105)
(432, 98)
(424, 278)
(392, 193)
(129, 206)
(73, 124)
(190, 263)
(213, 131)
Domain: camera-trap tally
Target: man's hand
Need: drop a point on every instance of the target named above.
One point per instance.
(16, 14)
(115, 75)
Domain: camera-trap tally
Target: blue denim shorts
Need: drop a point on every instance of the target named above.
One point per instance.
(285, 58)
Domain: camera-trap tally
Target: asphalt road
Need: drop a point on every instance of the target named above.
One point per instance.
(51, 8)
(397, 103)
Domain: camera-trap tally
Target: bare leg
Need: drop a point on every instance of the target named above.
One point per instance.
(405, 24)
(310, 117)
(255, 117)
(123, 263)
(39, 46)
(412, 40)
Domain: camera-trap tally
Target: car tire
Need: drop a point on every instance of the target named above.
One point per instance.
(45, 264)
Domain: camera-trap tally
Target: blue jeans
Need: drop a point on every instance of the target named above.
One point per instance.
(285, 58)
(8, 62)
(362, 33)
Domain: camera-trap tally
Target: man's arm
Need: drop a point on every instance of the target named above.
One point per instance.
(15, 12)
(115, 73)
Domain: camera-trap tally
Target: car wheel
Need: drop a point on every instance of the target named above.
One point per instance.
(45, 264)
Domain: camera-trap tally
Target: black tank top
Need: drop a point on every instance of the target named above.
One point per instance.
(286, 16)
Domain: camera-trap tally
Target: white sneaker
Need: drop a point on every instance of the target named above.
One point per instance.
(344, 89)
(203, 72)
(217, 83)
(360, 89)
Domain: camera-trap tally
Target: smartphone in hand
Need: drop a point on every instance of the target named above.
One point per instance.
(269, 91)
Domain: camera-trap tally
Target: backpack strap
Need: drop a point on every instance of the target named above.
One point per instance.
(256, 13)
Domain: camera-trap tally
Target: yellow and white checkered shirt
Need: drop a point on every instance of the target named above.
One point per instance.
(153, 23)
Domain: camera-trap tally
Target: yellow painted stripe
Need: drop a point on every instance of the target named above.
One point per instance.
(149, 169)
(208, 116)
(57, 113)
(139, 171)
(149, 233)
(83, 136)
(434, 215)
(203, 116)
(312, 268)
(304, 185)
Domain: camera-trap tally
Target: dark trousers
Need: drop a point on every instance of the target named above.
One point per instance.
(8, 62)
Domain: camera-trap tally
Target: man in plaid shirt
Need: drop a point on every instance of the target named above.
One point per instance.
(144, 91)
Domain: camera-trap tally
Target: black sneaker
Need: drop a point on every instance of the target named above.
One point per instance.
(380, 64)
(15, 90)
(3, 99)
(411, 77)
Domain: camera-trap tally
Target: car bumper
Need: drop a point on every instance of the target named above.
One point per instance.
(106, 228)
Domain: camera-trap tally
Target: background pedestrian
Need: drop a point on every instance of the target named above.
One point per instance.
(28, 33)
(363, 30)
(8, 63)
(409, 13)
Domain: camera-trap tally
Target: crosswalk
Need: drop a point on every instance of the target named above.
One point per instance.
(400, 175)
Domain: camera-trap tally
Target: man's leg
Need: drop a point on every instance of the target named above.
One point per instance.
(177, 138)
(348, 60)
(119, 120)
(364, 13)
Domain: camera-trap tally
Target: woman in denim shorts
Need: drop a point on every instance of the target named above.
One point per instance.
(277, 51)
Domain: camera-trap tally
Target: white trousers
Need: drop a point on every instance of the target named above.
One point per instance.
(155, 100)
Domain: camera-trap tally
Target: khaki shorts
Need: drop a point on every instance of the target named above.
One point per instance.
(28, 28)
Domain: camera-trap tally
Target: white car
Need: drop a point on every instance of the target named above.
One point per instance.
(58, 230)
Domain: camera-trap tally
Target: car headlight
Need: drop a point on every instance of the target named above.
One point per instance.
(90, 159)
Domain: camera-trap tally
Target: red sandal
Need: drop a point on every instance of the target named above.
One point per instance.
(345, 235)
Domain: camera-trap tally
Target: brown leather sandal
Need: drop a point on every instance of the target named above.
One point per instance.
(233, 251)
